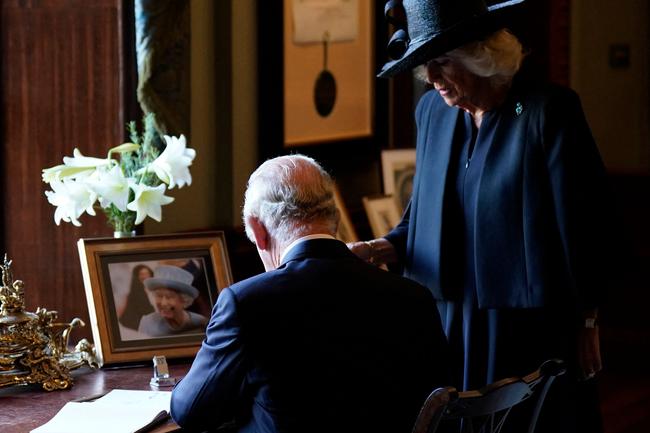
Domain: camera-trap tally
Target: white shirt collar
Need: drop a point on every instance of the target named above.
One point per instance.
(302, 239)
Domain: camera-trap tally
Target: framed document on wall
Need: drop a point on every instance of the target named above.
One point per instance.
(328, 70)
(294, 83)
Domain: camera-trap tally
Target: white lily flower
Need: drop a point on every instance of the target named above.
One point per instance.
(81, 181)
(63, 171)
(148, 201)
(75, 167)
(71, 199)
(112, 187)
(172, 165)
(87, 162)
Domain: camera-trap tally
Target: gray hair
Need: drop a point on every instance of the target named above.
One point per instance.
(290, 194)
(498, 57)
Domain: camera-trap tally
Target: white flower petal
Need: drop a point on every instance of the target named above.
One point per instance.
(85, 161)
(148, 202)
(62, 171)
(112, 187)
(172, 165)
(71, 199)
(163, 172)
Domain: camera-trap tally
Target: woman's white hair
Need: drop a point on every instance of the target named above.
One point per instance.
(289, 195)
(498, 57)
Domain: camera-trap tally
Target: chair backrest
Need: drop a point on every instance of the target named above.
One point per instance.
(485, 410)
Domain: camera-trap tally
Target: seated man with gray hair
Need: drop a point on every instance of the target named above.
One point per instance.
(322, 341)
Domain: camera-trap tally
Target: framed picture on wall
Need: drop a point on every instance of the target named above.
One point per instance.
(328, 69)
(152, 295)
(398, 169)
(382, 212)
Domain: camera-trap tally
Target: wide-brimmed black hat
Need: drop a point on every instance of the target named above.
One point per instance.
(434, 27)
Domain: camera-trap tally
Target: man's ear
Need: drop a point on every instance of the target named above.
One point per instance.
(260, 233)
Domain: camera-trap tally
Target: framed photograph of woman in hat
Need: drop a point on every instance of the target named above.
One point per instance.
(152, 295)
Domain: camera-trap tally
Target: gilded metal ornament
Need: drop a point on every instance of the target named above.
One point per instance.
(34, 346)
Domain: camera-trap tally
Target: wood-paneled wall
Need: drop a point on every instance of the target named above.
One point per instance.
(61, 68)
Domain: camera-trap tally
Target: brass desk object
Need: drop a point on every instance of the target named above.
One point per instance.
(33, 346)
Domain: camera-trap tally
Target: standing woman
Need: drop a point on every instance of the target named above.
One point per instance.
(506, 224)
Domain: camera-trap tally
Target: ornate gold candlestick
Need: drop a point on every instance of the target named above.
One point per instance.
(33, 346)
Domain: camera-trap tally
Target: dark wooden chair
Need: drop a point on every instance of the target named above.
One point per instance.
(485, 410)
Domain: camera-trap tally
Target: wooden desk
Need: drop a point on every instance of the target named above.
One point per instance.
(27, 407)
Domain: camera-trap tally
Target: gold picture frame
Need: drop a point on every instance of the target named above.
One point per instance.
(345, 231)
(114, 270)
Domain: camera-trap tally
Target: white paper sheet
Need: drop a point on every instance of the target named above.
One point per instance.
(119, 411)
(312, 19)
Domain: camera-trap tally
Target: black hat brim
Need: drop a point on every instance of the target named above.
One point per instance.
(472, 29)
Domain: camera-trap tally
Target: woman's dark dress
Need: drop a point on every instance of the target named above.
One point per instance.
(493, 343)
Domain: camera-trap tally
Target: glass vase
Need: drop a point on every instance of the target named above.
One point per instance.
(123, 234)
(123, 223)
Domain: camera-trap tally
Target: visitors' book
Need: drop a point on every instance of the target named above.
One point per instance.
(119, 411)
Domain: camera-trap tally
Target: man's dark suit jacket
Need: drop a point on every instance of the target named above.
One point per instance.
(326, 342)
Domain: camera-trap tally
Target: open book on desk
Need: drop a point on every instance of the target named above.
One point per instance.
(119, 411)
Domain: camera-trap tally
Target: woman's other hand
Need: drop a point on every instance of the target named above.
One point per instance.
(361, 250)
(377, 251)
